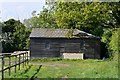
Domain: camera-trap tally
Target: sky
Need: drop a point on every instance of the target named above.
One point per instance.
(19, 9)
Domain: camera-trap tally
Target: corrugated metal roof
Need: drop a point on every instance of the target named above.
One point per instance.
(59, 33)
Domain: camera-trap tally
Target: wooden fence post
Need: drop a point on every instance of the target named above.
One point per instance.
(23, 60)
(19, 63)
(15, 63)
(2, 67)
(27, 57)
(9, 65)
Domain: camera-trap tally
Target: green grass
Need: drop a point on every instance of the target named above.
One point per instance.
(0, 68)
(65, 68)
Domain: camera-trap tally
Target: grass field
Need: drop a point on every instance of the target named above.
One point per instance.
(0, 68)
(64, 68)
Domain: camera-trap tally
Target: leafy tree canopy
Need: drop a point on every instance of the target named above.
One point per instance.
(90, 17)
(44, 19)
(17, 36)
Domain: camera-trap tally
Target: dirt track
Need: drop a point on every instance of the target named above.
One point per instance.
(49, 64)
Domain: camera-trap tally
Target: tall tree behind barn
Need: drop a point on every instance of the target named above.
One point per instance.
(55, 42)
(0, 38)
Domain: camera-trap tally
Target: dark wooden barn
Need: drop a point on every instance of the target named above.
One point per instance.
(56, 42)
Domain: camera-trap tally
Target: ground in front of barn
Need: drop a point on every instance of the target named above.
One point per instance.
(67, 68)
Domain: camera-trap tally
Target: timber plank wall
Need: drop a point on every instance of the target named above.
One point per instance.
(53, 47)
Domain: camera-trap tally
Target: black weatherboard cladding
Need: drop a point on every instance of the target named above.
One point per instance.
(53, 42)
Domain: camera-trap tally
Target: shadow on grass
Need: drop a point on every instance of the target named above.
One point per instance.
(36, 72)
(27, 69)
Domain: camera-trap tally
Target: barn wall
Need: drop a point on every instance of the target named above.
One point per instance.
(44, 48)
(54, 47)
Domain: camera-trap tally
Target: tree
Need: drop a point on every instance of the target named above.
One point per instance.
(17, 35)
(111, 39)
(106, 38)
(44, 19)
(114, 44)
(115, 13)
(90, 17)
(1, 37)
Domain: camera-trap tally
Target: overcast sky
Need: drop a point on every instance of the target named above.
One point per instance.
(19, 9)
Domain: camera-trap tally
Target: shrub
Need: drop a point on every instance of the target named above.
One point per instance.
(111, 39)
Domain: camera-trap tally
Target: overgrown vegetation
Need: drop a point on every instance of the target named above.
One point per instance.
(66, 68)
(111, 38)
